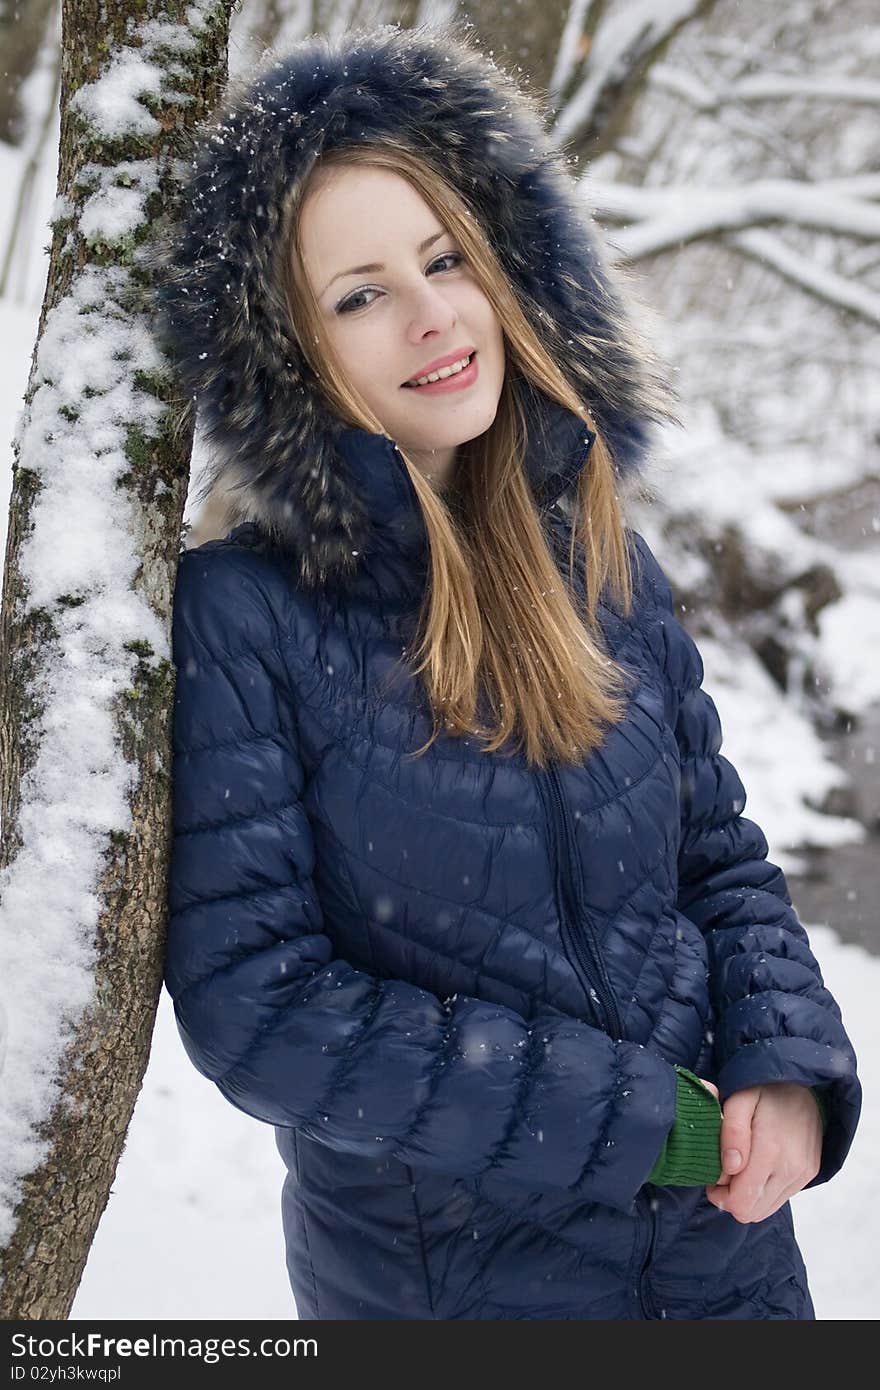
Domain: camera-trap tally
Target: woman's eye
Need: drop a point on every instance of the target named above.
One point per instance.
(449, 256)
(350, 305)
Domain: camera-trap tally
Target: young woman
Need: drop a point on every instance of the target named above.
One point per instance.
(462, 897)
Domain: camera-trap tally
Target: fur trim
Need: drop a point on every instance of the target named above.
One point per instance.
(220, 310)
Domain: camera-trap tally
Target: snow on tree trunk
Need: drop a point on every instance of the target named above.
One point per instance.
(98, 491)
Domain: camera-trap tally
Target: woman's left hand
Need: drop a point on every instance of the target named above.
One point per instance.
(771, 1147)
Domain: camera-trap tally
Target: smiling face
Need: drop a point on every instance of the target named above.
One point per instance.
(412, 301)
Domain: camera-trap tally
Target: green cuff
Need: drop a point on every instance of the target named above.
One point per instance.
(690, 1156)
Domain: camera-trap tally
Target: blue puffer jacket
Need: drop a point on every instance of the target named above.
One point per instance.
(456, 984)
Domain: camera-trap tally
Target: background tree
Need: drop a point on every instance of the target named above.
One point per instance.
(744, 194)
(24, 25)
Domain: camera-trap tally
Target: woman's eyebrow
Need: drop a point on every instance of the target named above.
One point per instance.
(375, 265)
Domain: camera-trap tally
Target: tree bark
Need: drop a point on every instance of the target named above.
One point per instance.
(61, 1201)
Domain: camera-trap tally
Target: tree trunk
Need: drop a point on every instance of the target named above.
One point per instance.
(52, 1210)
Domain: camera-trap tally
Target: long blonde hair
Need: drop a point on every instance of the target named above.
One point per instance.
(496, 613)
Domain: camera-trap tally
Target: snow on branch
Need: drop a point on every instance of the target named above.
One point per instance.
(670, 217)
(767, 86)
(823, 283)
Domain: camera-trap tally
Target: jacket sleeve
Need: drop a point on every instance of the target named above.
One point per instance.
(774, 1018)
(296, 1036)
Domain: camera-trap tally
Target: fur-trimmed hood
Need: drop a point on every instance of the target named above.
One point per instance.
(288, 458)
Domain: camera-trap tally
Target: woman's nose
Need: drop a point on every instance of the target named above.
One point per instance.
(431, 311)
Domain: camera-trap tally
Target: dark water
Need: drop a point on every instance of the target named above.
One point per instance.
(841, 887)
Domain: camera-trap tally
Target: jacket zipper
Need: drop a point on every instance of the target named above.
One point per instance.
(590, 967)
(645, 1296)
(578, 939)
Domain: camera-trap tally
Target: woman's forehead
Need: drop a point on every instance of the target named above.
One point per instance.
(356, 224)
(357, 184)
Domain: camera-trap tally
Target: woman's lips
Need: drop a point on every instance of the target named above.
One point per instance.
(457, 382)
